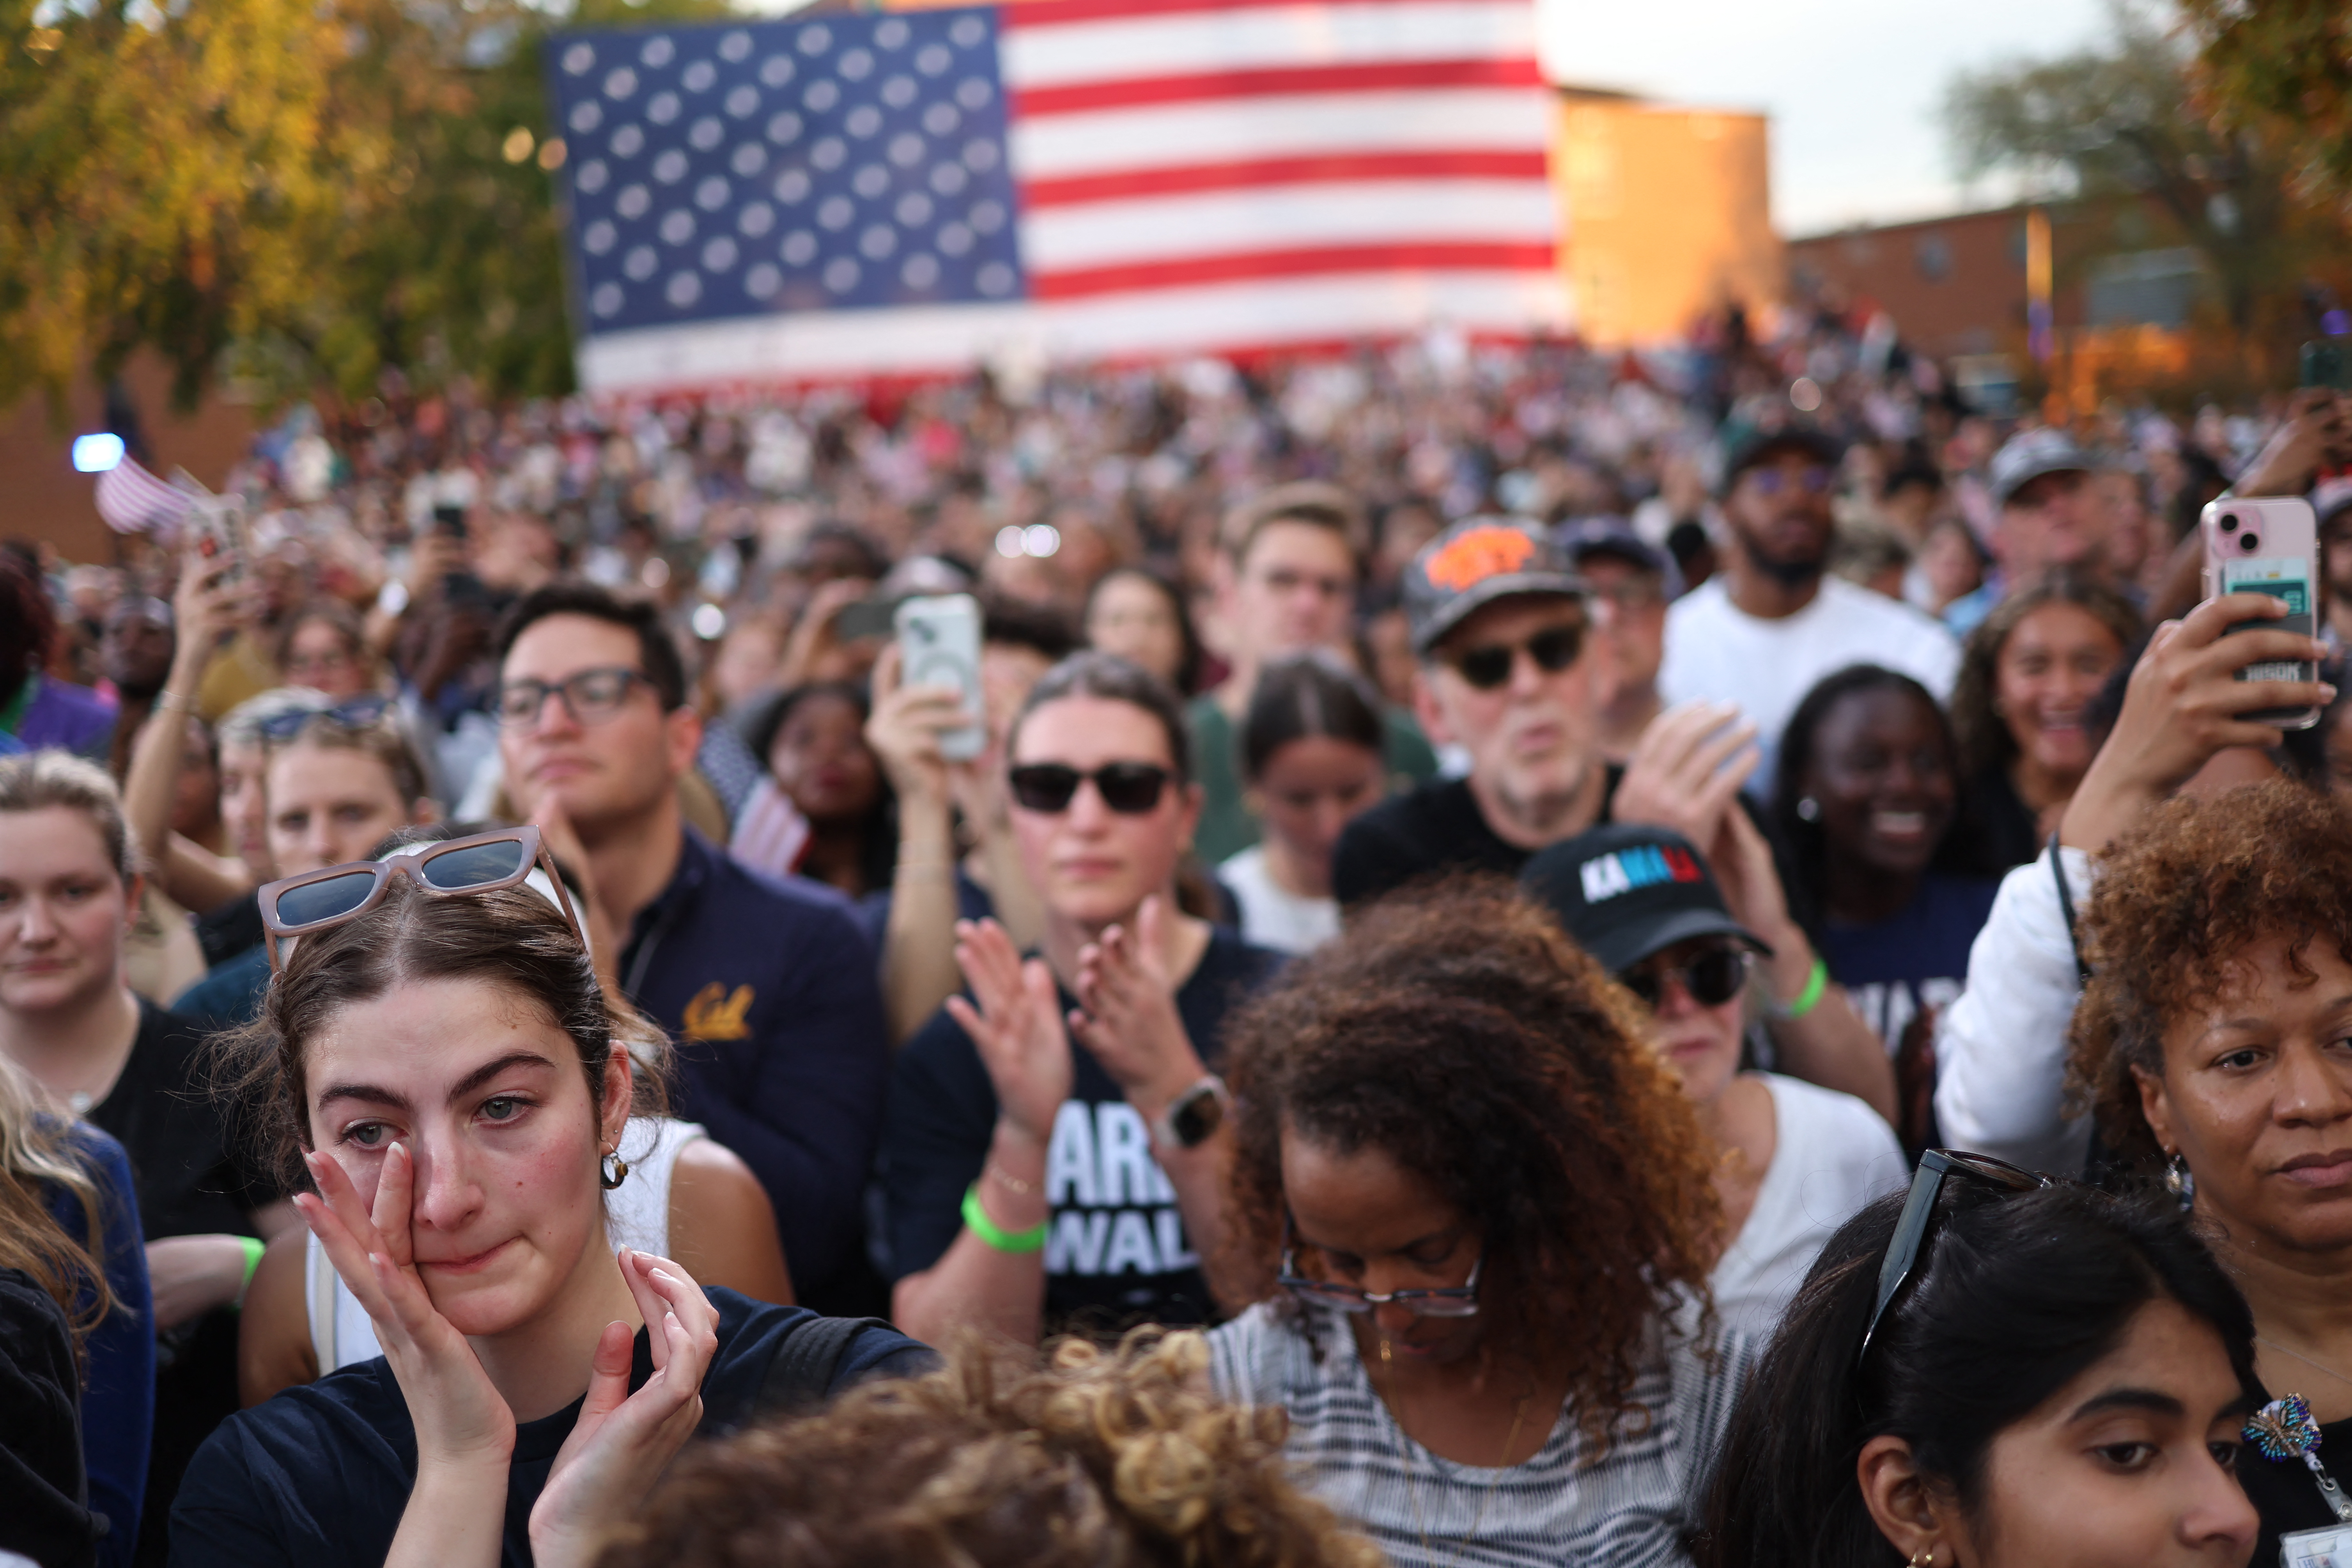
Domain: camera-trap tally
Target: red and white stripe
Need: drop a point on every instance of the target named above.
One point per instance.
(133, 501)
(1215, 176)
(1271, 173)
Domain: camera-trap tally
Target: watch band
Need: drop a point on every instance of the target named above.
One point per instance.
(1178, 1126)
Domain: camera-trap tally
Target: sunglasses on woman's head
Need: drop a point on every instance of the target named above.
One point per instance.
(1132, 789)
(479, 863)
(1910, 1236)
(1489, 666)
(352, 713)
(1712, 977)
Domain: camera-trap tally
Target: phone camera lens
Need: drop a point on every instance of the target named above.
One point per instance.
(2228, 522)
(2249, 544)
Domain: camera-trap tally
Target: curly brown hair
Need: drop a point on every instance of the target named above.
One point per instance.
(1984, 739)
(2178, 902)
(1456, 1030)
(1099, 1459)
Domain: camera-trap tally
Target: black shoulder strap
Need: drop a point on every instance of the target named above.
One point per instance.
(801, 1372)
(2067, 908)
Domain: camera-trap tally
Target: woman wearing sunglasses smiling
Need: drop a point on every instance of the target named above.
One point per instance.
(436, 1050)
(1794, 1161)
(1478, 1211)
(1055, 1145)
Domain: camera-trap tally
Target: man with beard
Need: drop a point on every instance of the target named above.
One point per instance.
(1762, 631)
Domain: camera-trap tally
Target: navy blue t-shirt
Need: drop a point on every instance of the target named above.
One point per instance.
(768, 988)
(318, 1476)
(118, 1396)
(1116, 1252)
(1916, 958)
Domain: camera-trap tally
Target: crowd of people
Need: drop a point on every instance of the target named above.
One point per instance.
(1512, 956)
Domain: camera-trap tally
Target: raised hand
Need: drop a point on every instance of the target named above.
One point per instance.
(1126, 1012)
(2184, 703)
(461, 1419)
(1686, 771)
(622, 1441)
(906, 728)
(1016, 1027)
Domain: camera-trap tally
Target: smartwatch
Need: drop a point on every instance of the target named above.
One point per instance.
(1193, 1117)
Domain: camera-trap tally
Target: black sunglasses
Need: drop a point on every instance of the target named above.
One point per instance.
(352, 713)
(1919, 1210)
(1131, 789)
(1486, 668)
(1712, 977)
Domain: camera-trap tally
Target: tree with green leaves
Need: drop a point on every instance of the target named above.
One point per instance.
(2284, 66)
(2121, 123)
(306, 191)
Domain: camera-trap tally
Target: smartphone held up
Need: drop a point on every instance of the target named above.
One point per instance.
(2270, 546)
(939, 645)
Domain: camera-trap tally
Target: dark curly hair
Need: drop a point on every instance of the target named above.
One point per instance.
(2179, 902)
(1100, 1460)
(1456, 1030)
(1984, 739)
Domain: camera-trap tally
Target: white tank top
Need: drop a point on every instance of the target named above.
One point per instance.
(636, 1214)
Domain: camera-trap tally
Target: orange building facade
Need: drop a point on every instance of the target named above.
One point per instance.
(1665, 214)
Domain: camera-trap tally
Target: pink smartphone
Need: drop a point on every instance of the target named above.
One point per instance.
(2268, 546)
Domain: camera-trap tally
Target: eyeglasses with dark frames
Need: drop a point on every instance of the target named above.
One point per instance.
(1711, 977)
(1447, 1301)
(1132, 789)
(1903, 1251)
(1554, 648)
(459, 868)
(590, 697)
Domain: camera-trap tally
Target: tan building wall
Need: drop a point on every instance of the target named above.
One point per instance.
(1665, 214)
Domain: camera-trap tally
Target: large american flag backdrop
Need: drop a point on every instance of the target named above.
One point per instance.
(910, 192)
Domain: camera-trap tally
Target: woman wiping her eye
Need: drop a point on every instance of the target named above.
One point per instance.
(437, 1053)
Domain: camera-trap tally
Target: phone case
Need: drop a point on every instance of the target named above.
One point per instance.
(2268, 546)
(939, 645)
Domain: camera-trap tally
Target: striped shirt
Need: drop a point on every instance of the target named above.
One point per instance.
(1630, 1508)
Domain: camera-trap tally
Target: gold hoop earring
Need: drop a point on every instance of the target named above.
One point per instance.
(612, 1170)
(1923, 1558)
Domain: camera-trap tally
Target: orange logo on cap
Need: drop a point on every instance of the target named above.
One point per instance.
(1481, 553)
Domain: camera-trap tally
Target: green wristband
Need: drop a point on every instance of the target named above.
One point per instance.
(976, 1220)
(1810, 998)
(254, 1248)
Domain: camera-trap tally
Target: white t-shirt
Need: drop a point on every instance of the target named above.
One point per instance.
(1830, 1154)
(1272, 917)
(1717, 651)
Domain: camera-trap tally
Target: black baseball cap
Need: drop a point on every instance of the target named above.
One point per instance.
(1475, 563)
(1747, 445)
(1628, 889)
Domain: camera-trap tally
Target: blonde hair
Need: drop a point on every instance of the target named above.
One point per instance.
(33, 1151)
(1097, 1459)
(48, 780)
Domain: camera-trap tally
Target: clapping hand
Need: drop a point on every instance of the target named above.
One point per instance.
(622, 1441)
(1014, 1019)
(1686, 771)
(1126, 1012)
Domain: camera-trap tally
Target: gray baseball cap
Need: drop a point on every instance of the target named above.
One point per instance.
(1475, 563)
(2027, 456)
